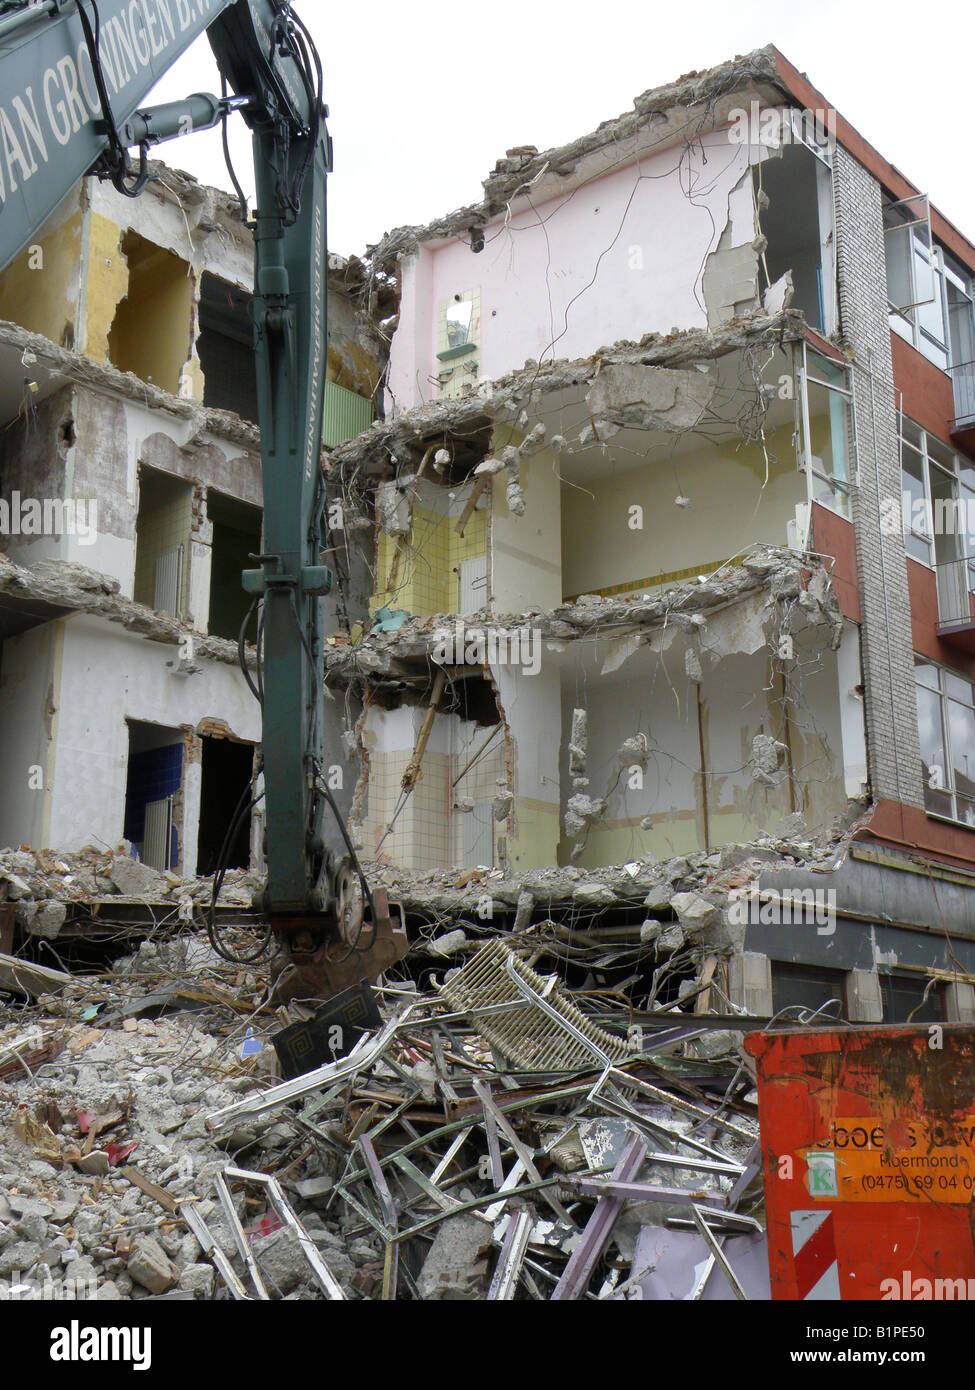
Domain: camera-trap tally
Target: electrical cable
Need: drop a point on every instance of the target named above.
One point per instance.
(228, 160)
(116, 157)
(256, 690)
(245, 805)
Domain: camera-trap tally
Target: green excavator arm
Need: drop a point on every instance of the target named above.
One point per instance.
(72, 76)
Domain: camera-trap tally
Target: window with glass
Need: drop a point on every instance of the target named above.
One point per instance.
(938, 500)
(946, 727)
(929, 292)
(828, 432)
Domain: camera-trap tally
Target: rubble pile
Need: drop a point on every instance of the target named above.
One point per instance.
(43, 886)
(150, 1148)
(664, 887)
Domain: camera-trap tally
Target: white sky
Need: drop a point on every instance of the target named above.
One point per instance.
(425, 98)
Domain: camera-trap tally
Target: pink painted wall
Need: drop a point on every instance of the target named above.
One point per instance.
(640, 234)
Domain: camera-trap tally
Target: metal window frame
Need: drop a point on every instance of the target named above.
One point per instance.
(948, 770)
(904, 310)
(804, 453)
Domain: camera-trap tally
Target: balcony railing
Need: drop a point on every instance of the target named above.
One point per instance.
(963, 386)
(956, 587)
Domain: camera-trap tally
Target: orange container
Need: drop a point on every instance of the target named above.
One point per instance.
(868, 1140)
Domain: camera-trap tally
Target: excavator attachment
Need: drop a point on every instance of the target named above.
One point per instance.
(311, 967)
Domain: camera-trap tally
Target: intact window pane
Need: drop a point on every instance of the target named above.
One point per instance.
(949, 525)
(900, 289)
(961, 326)
(961, 726)
(957, 687)
(911, 432)
(940, 453)
(925, 674)
(903, 996)
(933, 352)
(919, 548)
(930, 313)
(912, 481)
(805, 986)
(937, 799)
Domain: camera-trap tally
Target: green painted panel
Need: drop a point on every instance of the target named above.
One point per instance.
(346, 414)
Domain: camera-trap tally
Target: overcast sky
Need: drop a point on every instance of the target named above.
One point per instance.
(425, 98)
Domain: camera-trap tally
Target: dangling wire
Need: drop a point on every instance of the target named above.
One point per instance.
(116, 157)
(241, 195)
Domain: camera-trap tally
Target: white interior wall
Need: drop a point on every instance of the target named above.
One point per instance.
(635, 232)
(108, 675)
(526, 551)
(27, 677)
(731, 504)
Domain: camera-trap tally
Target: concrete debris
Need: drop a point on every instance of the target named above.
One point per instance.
(634, 752)
(403, 435)
(581, 812)
(525, 907)
(694, 912)
(515, 497)
(650, 397)
(150, 1266)
(769, 760)
(502, 804)
(457, 1265)
(135, 880)
(449, 943)
(578, 743)
(489, 467)
(36, 881)
(593, 895)
(48, 919)
(63, 587)
(787, 592)
(778, 296)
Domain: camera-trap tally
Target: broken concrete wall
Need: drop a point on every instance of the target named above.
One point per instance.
(419, 569)
(103, 269)
(85, 796)
(447, 820)
(41, 288)
(736, 737)
(530, 701)
(623, 255)
(34, 464)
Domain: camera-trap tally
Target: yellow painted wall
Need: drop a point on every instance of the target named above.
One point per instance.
(107, 283)
(425, 581)
(160, 293)
(45, 299)
(729, 510)
(535, 840)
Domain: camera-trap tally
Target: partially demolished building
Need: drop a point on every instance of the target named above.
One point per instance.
(653, 624)
(130, 499)
(666, 590)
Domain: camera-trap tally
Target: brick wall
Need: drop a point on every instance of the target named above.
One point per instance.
(894, 756)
